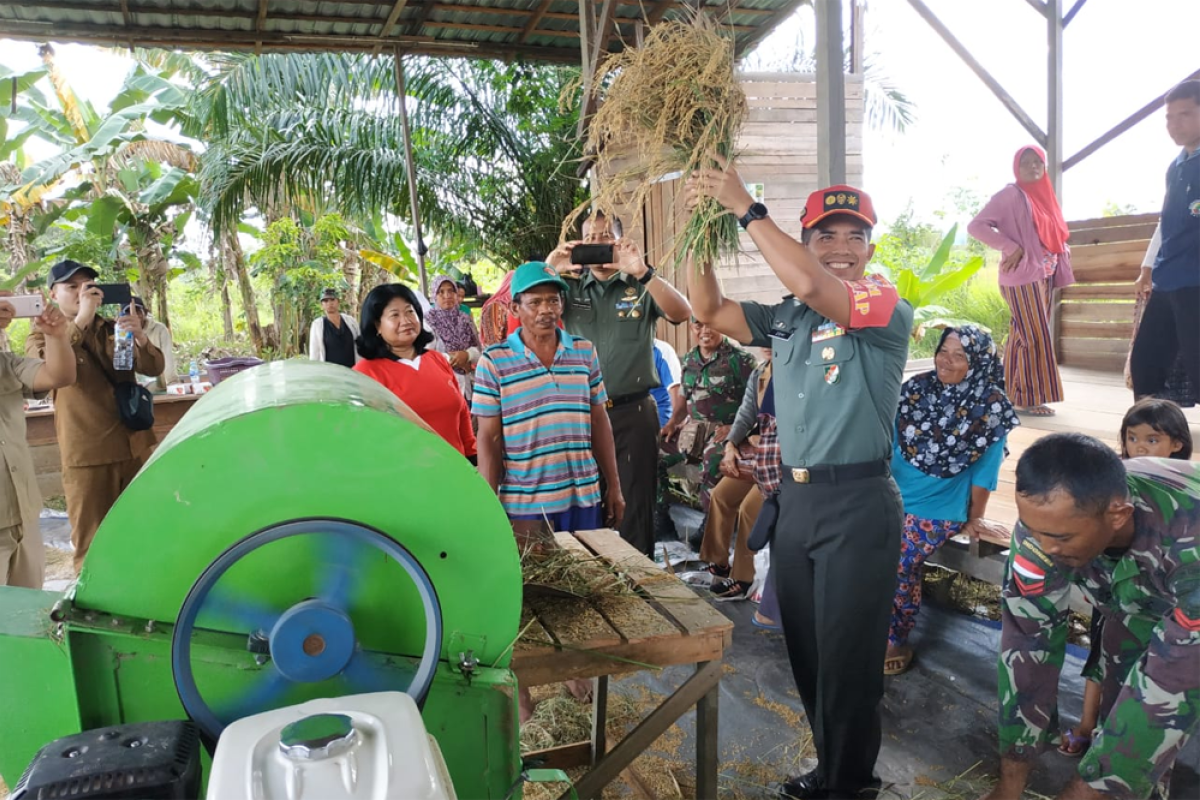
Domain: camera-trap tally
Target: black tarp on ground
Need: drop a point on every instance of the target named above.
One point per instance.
(939, 719)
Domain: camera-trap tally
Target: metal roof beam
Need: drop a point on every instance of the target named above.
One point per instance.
(1003, 96)
(1123, 125)
(1038, 6)
(1074, 10)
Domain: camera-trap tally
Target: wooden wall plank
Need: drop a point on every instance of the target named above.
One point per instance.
(1112, 222)
(1098, 312)
(1078, 329)
(1098, 291)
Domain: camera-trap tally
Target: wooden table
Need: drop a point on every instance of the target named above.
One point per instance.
(663, 623)
(43, 440)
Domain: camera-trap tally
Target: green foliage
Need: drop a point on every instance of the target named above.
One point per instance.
(1115, 209)
(980, 302)
(925, 283)
(300, 262)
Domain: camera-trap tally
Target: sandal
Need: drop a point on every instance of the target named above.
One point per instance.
(898, 665)
(1036, 411)
(718, 571)
(767, 624)
(1074, 745)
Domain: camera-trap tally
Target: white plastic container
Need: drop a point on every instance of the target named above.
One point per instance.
(361, 747)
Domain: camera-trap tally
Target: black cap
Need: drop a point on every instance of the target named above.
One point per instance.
(139, 302)
(65, 269)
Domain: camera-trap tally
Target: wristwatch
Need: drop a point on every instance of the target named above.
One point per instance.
(649, 276)
(756, 211)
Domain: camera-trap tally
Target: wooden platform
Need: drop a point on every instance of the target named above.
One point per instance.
(1096, 402)
(43, 440)
(661, 623)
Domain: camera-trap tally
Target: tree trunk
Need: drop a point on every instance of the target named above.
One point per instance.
(236, 260)
(220, 279)
(153, 268)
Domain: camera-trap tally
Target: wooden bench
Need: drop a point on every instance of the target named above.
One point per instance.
(1094, 323)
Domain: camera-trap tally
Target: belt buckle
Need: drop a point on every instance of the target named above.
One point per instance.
(608, 403)
(800, 475)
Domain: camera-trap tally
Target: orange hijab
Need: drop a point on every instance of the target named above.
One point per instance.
(1047, 216)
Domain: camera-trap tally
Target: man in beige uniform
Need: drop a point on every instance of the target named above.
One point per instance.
(22, 560)
(100, 455)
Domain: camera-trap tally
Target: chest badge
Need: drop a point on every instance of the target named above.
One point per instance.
(637, 312)
(630, 291)
(1195, 208)
(827, 354)
(833, 374)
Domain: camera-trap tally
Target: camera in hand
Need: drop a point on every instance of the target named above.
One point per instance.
(592, 254)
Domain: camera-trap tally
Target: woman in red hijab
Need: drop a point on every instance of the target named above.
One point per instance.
(1024, 222)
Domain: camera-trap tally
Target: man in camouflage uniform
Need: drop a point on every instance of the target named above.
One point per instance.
(714, 381)
(1125, 534)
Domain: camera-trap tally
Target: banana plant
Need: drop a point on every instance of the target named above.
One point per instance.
(937, 279)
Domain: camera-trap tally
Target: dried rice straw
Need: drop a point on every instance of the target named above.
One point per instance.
(672, 102)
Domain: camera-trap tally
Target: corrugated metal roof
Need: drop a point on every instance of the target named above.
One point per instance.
(537, 30)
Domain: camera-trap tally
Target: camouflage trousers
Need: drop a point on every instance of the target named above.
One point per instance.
(709, 463)
(1120, 651)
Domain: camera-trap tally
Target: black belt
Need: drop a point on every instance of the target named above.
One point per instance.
(626, 399)
(836, 473)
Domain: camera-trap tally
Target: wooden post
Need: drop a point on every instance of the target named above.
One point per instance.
(1054, 95)
(858, 13)
(707, 745)
(411, 171)
(1054, 140)
(831, 94)
(599, 718)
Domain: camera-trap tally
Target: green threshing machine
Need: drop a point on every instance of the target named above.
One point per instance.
(298, 535)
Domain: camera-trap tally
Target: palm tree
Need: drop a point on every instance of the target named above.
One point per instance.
(320, 131)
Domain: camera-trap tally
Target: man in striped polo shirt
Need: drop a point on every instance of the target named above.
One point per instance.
(544, 434)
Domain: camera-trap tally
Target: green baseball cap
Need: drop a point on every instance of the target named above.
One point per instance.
(535, 273)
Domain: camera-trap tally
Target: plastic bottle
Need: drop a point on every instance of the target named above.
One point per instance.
(194, 374)
(122, 350)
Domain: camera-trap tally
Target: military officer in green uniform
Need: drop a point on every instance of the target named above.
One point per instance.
(1125, 534)
(617, 306)
(839, 343)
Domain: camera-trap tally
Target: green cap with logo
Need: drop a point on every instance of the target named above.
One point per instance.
(535, 273)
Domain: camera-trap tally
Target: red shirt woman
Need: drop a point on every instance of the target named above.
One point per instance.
(394, 346)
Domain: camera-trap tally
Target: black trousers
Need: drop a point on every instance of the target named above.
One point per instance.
(635, 429)
(834, 557)
(1170, 327)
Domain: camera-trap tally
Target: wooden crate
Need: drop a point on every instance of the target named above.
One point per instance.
(1095, 315)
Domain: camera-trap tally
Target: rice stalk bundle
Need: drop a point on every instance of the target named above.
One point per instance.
(671, 103)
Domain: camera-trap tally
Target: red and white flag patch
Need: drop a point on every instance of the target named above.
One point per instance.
(1029, 576)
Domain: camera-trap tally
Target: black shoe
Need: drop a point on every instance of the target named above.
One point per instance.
(808, 786)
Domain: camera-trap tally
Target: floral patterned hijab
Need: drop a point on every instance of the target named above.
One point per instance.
(943, 429)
